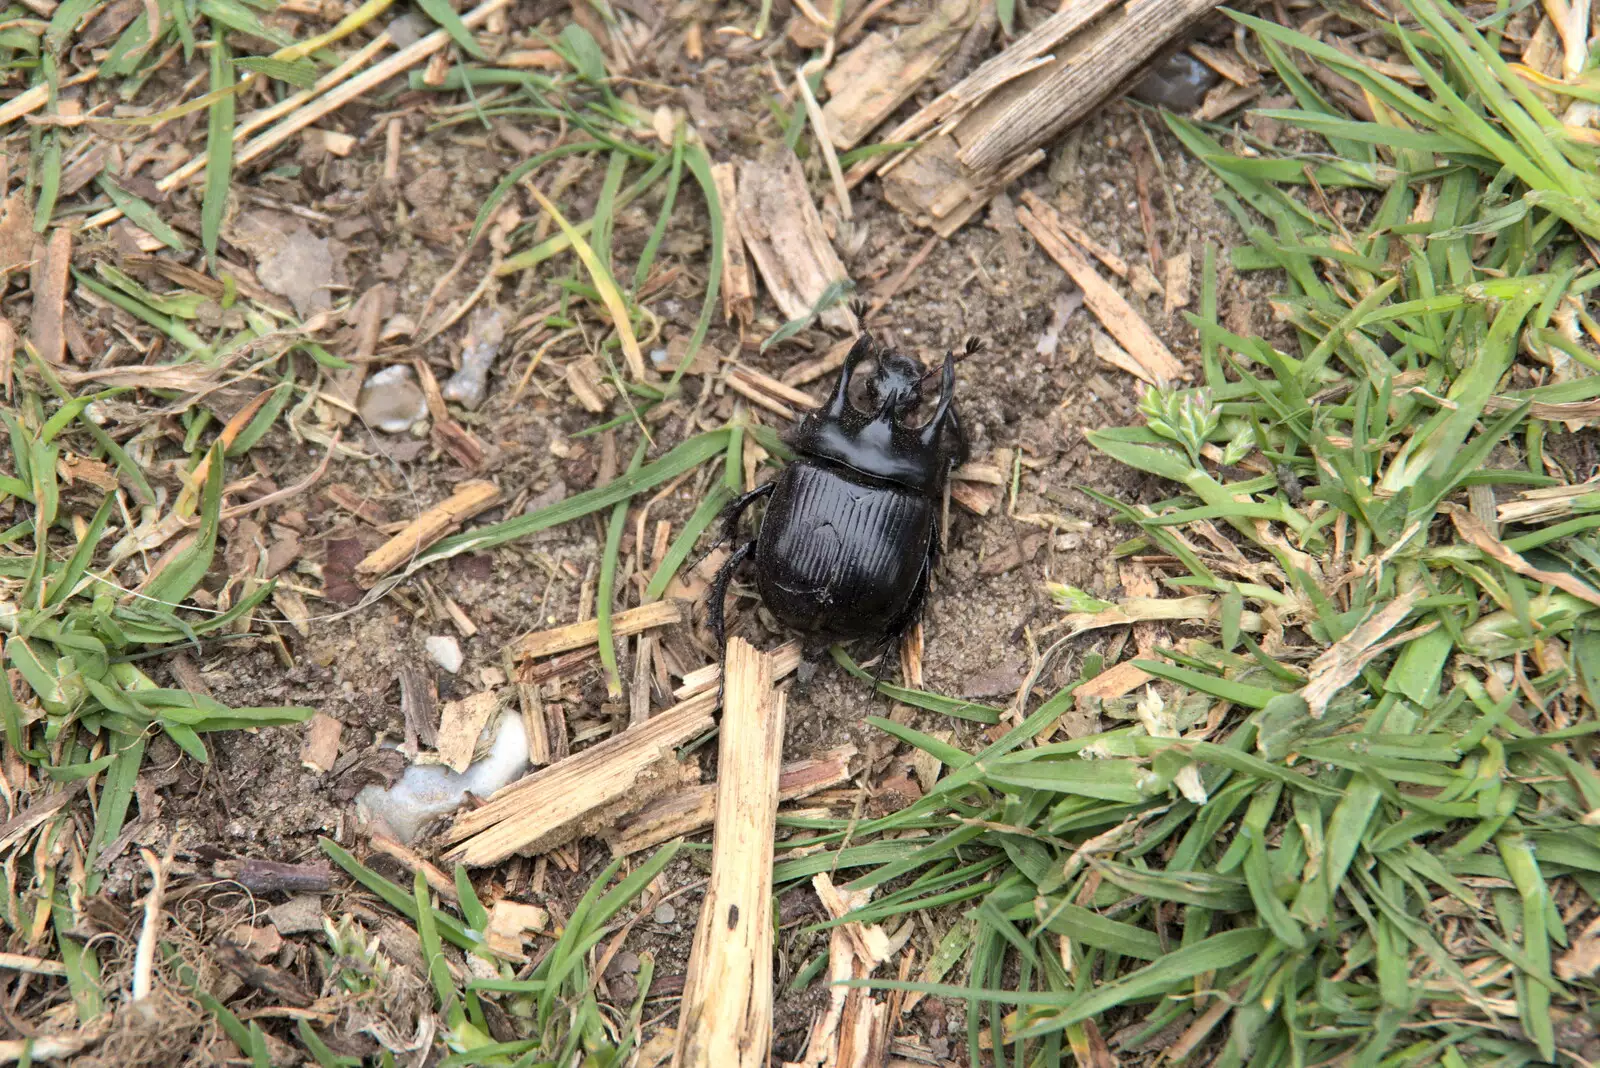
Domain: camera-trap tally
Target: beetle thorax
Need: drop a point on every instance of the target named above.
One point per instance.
(881, 443)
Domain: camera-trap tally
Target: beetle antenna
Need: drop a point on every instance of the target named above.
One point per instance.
(973, 346)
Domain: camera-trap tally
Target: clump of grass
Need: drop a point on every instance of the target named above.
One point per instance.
(550, 1002)
(1352, 818)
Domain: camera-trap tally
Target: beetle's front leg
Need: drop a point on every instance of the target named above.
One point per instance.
(714, 609)
(730, 518)
(719, 592)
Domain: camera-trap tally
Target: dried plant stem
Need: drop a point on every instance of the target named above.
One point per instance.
(726, 1014)
(820, 125)
(144, 958)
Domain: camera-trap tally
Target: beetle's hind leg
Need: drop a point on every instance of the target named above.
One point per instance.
(908, 618)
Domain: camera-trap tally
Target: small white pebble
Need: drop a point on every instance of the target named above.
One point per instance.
(445, 652)
(665, 914)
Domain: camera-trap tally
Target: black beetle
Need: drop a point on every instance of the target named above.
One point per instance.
(851, 534)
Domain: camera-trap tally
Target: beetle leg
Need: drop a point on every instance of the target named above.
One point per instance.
(913, 612)
(730, 518)
(959, 453)
(714, 607)
(719, 591)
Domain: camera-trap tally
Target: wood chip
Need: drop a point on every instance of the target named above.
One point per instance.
(1224, 63)
(578, 635)
(50, 276)
(441, 883)
(509, 924)
(692, 808)
(866, 84)
(468, 500)
(850, 1033)
(1178, 269)
(455, 439)
(1109, 259)
(700, 680)
(8, 355)
(975, 498)
(725, 1017)
(784, 232)
(336, 143)
(16, 232)
(1154, 363)
(460, 725)
(321, 748)
(738, 287)
(780, 391)
(604, 782)
(364, 508)
(992, 126)
(583, 379)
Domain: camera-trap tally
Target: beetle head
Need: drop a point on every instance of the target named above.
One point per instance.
(883, 441)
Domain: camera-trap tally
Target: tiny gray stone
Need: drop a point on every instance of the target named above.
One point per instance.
(1179, 82)
(469, 385)
(298, 915)
(407, 30)
(665, 914)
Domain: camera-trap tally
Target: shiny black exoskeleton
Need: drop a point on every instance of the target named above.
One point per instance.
(851, 533)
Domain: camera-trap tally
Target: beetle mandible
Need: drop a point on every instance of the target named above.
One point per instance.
(851, 532)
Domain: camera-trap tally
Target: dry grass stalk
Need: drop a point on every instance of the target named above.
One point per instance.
(18, 962)
(1152, 361)
(579, 635)
(725, 1020)
(549, 807)
(1340, 663)
(144, 959)
(467, 501)
(1474, 530)
(738, 287)
(867, 83)
(411, 860)
(692, 809)
(992, 126)
(783, 231)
